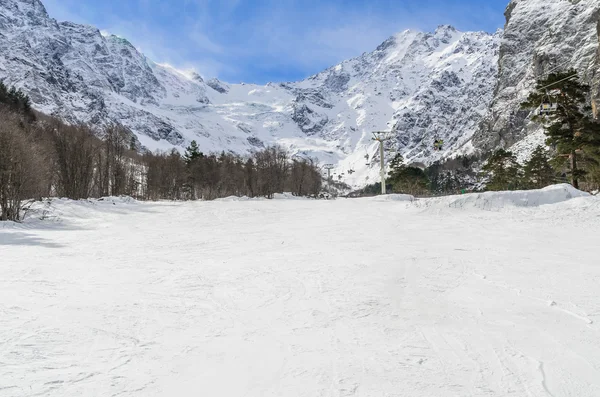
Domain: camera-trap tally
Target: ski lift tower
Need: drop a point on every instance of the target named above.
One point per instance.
(328, 167)
(381, 137)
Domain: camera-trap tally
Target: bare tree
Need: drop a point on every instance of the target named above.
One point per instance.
(75, 149)
(116, 139)
(22, 168)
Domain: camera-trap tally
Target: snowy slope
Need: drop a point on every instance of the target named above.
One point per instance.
(172, 299)
(420, 85)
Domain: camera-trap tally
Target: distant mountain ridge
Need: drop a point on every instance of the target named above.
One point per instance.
(421, 86)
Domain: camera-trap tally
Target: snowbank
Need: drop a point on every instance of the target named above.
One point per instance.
(233, 198)
(496, 201)
(391, 197)
(276, 196)
(288, 196)
(55, 210)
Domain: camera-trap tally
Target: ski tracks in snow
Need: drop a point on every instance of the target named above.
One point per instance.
(304, 298)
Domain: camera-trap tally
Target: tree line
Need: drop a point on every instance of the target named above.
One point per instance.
(40, 156)
(196, 175)
(451, 176)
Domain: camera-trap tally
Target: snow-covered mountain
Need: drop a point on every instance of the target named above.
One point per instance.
(420, 85)
(462, 87)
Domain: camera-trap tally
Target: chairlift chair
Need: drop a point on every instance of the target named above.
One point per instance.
(548, 107)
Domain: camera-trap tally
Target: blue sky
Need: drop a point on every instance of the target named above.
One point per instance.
(258, 41)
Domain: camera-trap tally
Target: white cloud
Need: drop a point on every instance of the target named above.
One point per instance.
(226, 38)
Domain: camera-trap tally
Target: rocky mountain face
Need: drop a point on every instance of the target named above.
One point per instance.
(540, 37)
(420, 86)
(462, 87)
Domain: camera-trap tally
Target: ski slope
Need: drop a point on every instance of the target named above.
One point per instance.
(366, 297)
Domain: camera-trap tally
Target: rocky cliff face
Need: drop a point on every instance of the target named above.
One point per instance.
(540, 36)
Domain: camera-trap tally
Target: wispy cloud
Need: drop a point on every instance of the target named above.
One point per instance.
(269, 40)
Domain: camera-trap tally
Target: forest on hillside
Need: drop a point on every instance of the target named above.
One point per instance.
(41, 156)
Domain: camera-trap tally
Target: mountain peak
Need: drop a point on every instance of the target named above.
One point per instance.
(443, 29)
(32, 12)
(445, 33)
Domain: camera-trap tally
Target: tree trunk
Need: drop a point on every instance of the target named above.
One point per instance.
(574, 177)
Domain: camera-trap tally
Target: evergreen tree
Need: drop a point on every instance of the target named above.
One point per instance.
(194, 167)
(502, 170)
(192, 153)
(16, 100)
(406, 179)
(132, 144)
(3, 93)
(569, 128)
(538, 172)
(591, 155)
(396, 164)
(250, 177)
(411, 180)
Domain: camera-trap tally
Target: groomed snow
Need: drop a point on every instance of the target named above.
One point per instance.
(497, 201)
(302, 298)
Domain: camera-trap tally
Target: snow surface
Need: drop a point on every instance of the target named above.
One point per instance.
(302, 298)
(497, 201)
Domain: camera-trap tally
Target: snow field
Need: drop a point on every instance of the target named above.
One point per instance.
(302, 298)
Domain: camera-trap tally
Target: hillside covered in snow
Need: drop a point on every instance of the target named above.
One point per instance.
(462, 87)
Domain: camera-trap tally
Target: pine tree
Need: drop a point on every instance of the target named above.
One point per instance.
(538, 172)
(569, 128)
(406, 179)
(194, 169)
(16, 100)
(396, 164)
(3, 93)
(503, 171)
(192, 153)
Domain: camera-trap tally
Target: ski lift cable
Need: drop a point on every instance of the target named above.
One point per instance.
(556, 82)
(558, 67)
(590, 66)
